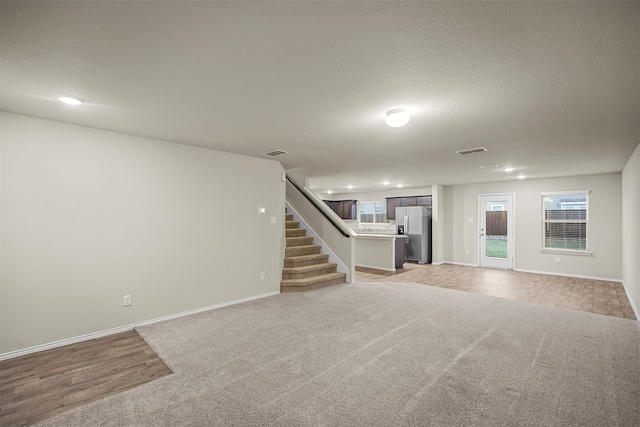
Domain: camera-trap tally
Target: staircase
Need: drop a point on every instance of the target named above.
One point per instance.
(305, 268)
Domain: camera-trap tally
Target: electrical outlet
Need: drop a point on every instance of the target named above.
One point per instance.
(557, 260)
(127, 300)
(263, 276)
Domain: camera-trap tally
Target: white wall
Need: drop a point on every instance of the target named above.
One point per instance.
(438, 224)
(605, 230)
(631, 228)
(89, 216)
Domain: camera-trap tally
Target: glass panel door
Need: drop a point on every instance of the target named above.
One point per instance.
(496, 231)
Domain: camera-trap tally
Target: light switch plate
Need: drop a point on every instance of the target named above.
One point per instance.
(273, 220)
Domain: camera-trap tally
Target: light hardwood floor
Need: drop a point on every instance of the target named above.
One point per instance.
(594, 296)
(41, 385)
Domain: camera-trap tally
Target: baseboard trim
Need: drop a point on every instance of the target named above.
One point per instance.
(631, 301)
(99, 334)
(579, 276)
(461, 263)
(376, 268)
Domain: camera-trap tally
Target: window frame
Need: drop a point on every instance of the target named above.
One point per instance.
(375, 202)
(543, 223)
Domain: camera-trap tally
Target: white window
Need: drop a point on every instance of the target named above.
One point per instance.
(565, 221)
(372, 212)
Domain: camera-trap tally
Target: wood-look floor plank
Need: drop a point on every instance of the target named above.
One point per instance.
(41, 385)
(594, 296)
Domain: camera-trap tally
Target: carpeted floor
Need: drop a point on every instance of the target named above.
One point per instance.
(384, 354)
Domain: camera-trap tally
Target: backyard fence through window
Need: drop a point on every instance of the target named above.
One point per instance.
(565, 219)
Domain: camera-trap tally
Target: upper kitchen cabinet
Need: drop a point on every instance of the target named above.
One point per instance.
(392, 204)
(423, 200)
(398, 202)
(345, 209)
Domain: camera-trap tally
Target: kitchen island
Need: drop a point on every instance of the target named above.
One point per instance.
(380, 251)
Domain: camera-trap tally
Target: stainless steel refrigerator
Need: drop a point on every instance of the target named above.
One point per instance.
(417, 227)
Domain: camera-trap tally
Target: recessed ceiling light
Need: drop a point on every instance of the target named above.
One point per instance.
(508, 169)
(71, 100)
(349, 187)
(399, 185)
(329, 192)
(522, 176)
(386, 183)
(397, 118)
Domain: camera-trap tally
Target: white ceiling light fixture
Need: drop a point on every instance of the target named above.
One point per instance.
(71, 100)
(509, 169)
(399, 185)
(522, 176)
(386, 183)
(397, 118)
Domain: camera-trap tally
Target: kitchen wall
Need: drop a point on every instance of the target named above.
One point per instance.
(438, 218)
(89, 216)
(378, 196)
(605, 230)
(631, 228)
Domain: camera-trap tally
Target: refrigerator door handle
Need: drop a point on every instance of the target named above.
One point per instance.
(406, 228)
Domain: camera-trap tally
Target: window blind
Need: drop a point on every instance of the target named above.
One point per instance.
(565, 219)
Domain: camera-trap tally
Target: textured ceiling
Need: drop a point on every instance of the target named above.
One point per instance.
(550, 88)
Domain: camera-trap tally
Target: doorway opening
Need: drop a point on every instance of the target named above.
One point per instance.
(496, 230)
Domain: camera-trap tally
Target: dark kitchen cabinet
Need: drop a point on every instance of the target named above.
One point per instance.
(409, 201)
(345, 209)
(398, 202)
(392, 204)
(423, 200)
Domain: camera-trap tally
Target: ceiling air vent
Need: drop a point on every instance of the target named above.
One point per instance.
(275, 153)
(471, 150)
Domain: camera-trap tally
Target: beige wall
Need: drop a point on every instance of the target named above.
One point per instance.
(631, 228)
(89, 216)
(605, 231)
